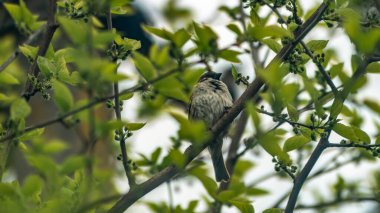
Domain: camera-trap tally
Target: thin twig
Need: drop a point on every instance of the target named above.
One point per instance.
(310, 54)
(136, 88)
(43, 47)
(140, 190)
(323, 143)
(97, 203)
(321, 70)
(171, 199)
(337, 202)
(292, 123)
(351, 145)
(123, 148)
(30, 39)
(318, 173)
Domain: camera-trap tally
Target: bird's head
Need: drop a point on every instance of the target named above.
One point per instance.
(210, 75)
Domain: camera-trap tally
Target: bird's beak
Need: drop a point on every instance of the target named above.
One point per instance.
(216, 76)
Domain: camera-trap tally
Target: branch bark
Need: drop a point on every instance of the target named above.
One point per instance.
(43, 47)
(123, 148)
(140, 190)
(323, 143)
(30, 39)
(136, 88)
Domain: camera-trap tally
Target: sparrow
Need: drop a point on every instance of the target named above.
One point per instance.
(209, 100)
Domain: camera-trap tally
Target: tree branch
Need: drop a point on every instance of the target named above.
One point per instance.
(30, 39)
(308, 52)
(43, 47)
(323, 143)
(133, 195)
(136, 88)
(337, 202)
(351, 145)
(123, 148)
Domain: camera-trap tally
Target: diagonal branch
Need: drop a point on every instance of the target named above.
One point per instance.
(43, 47)
(323, 143)
(310, 54)
(191, 152)
(60, 118)
(123, 149)
(30, 39)
(337, 202)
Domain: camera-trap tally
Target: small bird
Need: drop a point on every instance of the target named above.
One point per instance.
(209, 100)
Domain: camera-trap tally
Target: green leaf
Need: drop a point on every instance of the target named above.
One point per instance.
(270, 143)
(155, 155)
(181, 37)
(177, 158)
(144, 66)
(62, 72)
(15, 11)
(46, 66)
(119, 3)
(315, 45)
(345, 131)
(272, 44)
(54, 146)
(230, 55)
(28, 51)
(32, 186)
(234, 72)
(261, 32)
(373, 105)
(336, 108)
(242, 167)
(43, 164)
(24, 19)
(8, 79)
(295, 142)
(62, 97)
(105, 128)
(226, 195)
(134, 126)
(292, 112)
(352, 133)
(162, 33)
(172, 87)
(336, 70)
(273, 74)
(273, 210)
(69, 54)
(5, 100)
(256, 191)
(72, 164)
(75, 29)
(31, 134)
(251, 110)
(255, 18)
(373, 68)
(127, 43)
(20, 109)
(234, 28)
(125, 97)
(194, 131)
(208, 183)
(204, 35)
(243, 206)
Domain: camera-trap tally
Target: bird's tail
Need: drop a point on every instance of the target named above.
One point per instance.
(215, 149)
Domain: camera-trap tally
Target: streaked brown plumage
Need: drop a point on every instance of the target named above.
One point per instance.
(209, 100)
